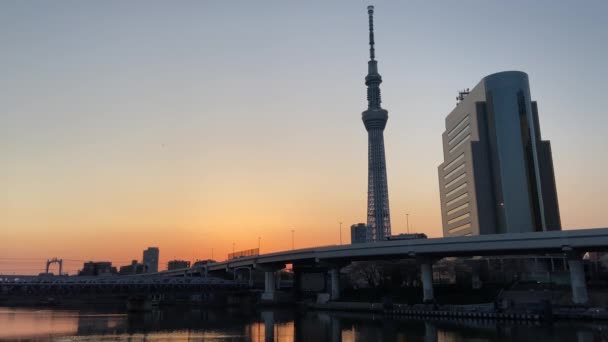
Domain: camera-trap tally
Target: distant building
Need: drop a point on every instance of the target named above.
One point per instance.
(497, 175)
(97, 268)
(177, 264)
(134, 268)
(203, 262)
(150, 259)
(358, 233)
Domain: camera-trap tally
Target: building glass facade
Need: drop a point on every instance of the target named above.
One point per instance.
(497, 175)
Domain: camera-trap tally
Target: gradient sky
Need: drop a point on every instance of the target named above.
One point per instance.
(191, 125)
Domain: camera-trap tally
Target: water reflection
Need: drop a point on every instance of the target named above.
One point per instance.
(272, 325)
(35, 324)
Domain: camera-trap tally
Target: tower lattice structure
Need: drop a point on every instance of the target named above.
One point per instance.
(374, 118)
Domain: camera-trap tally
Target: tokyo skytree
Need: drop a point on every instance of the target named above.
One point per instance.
(374, 118)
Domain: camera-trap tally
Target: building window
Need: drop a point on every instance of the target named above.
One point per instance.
(463, 196)
(464, 206)
(453, 172)
(455, 180)
(460, 187)
(459, 228)
(462, 132)
(459, 218)
(465, 139)
(455, 129)
(453, 162)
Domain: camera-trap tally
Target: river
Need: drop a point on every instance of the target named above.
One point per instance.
(25, 324)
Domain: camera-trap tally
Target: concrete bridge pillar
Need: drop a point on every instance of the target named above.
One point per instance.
(577, 279)
(334, 278)
(430, 332)
(268, 317)
(269, 285)
(336, 330)
(426, 270)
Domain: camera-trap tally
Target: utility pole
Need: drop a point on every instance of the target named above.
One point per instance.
(407, 220)
(340, 232)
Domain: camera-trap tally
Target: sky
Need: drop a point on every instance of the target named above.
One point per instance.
(196, 126)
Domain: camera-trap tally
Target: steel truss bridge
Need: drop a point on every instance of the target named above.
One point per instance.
(64, 285)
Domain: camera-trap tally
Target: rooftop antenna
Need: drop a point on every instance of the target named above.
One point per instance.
(462, 94)
(372, 52)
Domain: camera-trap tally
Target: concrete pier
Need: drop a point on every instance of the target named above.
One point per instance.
(268, 318)
(430, 332)
(577, 280)
(269, 286)
(426, 270)
(334, 275)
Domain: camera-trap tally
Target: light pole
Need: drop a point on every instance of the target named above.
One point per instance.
(233, 249)
(340, 232)
(259, 243)
(292, 239)
(211, 253)
(407, 220)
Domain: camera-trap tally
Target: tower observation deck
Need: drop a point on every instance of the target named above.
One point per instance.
(374, 118)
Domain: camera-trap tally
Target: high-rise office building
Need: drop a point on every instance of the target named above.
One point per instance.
(150, 259)
(374, 118)
(497, 175)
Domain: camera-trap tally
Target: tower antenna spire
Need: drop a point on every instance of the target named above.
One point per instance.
(372, 51)
(374, 119)
(373, 78)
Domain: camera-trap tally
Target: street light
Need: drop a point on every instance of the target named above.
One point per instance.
(407, 220)
(340, 232)
(259, 242)
(292, 239)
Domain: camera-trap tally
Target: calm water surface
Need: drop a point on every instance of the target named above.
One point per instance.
(277, 325)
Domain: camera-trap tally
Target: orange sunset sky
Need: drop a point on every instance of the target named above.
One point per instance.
(197, 125)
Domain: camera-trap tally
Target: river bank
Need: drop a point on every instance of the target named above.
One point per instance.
(475, 311)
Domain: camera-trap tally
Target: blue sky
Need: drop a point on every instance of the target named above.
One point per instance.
(200, 117)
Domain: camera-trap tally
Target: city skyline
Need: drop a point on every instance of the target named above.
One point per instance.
(169, 136)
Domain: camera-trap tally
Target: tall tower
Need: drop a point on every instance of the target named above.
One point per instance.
(374, 118)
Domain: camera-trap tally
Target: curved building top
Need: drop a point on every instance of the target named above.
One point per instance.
(495, 81)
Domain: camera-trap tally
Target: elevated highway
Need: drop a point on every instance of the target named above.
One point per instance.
(571, 242)
(582, 240)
